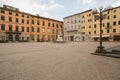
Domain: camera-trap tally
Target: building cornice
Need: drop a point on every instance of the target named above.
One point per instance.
(31, 14)
(78, 13)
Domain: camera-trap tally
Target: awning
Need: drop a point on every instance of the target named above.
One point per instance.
(97, 36)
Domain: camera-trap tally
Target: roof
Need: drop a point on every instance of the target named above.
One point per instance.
(87, 11)
(31, 15)
(78, 13)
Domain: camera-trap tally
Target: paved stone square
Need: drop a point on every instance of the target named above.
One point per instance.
(54, 61)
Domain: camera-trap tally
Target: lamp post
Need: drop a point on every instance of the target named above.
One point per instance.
(100, 16)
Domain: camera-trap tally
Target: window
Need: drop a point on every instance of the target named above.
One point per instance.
(118, 22)
(49, 24)
(3, 37)
(108, 25)
(3, 27)
(89, 32)
(95, 20)
(103, 24)
(108, 17)
(89, 26)
(83, 32)
(71, 27)
(108, 31)
(2, 17)
(16, 14)
(95, 26)
(17, 29)
(32, 37)
(114, 23)
(82, 16)
(81, 21)
(57, 25)
(17, 20)
(10, 12)
(2, 11)
(10, 27)
(10, 19)
(22, 15)
(56, 31)
(38, 29)
(22, 28)
(32, 21)
(43, 30)
(48, 30)
(22, 20)
(38, 22)
(114, 30)
(94, 32)
(83, 27)
(114, 11)
(32, 30)
(27, 29)
(27, 21)
(60, 26)
(89, 14)
(27, 38)
(52, 24)
(114, 16)
(43, 23)
(22, 38)
(88, 20)
(27, 16)
(52, 30)
(75, 21)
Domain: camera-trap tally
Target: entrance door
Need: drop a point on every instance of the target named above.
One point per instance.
(117, 38)
(17, 37)
(71, 38)
(10, 37)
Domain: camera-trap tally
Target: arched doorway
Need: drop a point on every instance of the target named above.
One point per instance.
(71, 38)
(10, 37)
(16, 37)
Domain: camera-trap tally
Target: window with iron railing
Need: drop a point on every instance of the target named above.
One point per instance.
(10, 19)
(2, 17)
(2, 26)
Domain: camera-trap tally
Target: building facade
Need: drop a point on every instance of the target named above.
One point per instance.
(90, 26)
(72, 28)
(20, 26)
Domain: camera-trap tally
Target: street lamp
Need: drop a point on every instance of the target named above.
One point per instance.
(99, 15)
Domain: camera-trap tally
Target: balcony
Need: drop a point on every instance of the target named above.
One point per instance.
(72, 30)
(13, 32)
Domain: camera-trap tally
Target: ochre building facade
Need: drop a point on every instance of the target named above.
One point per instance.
(20, 26)
(90, 26)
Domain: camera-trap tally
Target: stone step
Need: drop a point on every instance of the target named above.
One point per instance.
(116, 51)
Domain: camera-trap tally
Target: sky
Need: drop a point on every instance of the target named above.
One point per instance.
(58, 9)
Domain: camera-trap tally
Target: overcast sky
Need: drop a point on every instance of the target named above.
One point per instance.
(57, 9)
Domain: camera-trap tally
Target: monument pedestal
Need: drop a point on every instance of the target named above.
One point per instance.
(60, 40)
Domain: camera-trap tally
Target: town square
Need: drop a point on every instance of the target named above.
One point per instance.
(59, 40)
(54, 61)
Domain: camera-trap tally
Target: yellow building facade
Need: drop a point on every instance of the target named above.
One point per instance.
(20, 26)
(110, 25)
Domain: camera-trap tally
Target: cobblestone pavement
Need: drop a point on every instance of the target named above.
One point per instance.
(54, 61)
